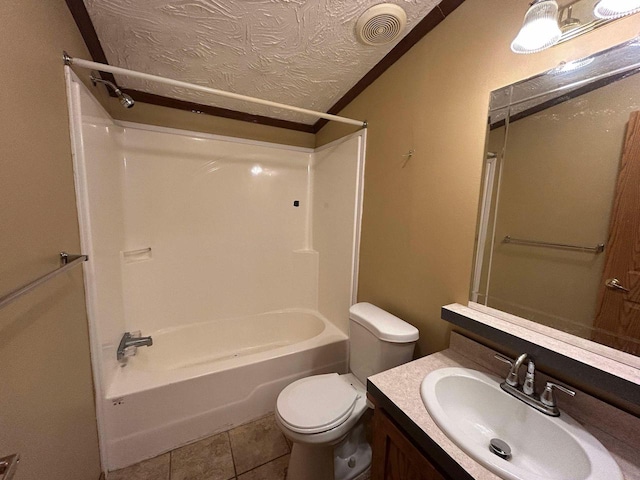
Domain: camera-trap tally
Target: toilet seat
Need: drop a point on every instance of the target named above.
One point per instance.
(316, 404)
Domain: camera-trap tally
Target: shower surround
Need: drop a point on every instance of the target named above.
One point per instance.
(238, 257)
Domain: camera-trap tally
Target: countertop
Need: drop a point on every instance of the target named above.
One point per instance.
(398, 392)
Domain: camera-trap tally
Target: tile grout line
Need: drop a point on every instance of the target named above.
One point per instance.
(233, 458)
(287, 446)
(265, 463)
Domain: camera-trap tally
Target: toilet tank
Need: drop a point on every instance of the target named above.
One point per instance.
(378, 340)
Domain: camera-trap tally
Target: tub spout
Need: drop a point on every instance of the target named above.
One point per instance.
(132, 340)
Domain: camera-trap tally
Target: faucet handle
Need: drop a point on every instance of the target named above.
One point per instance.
(512, 376)
(547, 398)
(504, 359)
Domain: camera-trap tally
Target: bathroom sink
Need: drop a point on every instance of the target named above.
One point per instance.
(472, 410)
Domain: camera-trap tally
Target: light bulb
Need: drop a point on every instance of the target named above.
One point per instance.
(540, 28)
(616, 8)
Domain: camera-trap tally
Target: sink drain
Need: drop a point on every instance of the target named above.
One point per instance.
(500, 448)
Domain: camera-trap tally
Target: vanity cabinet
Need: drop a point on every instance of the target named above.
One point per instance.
(395, 457)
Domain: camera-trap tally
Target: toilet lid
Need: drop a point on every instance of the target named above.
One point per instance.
(316, 404)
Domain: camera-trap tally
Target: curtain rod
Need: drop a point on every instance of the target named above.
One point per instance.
(68, 60)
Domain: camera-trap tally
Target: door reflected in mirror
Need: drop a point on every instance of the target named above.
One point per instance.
(558, 236)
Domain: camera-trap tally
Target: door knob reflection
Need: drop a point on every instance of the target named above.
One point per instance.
(614, 284)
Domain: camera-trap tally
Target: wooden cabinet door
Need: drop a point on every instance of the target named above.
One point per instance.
(394, 456)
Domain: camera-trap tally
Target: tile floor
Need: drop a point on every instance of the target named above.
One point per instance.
(255, 451)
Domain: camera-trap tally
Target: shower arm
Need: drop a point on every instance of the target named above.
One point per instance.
(125, 100)
(68, 60)
(95, 80)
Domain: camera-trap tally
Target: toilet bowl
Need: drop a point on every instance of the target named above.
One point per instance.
(318, 414)
(322, 414)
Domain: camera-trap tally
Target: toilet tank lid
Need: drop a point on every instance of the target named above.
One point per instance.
(382, 324)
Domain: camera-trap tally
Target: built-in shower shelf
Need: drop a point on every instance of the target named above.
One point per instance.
(139, 255)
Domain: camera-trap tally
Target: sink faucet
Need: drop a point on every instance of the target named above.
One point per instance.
(525, 391)
(513, 378)
(132, 340)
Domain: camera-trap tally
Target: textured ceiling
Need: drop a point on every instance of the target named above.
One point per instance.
(299, 52)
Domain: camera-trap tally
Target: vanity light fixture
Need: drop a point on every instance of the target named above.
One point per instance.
(540, 28)
(616, 8)
(569, 22)
(548, 22)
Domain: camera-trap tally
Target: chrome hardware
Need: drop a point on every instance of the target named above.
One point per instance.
(529, 385)
(512, 378)
(526, 392)
(8, 466)
(129, 344)
(125, 100)
(548, 399)
(67, 262)
(500, 448)
(66, 259)
(599, 248)
(504, 359)
(614, 284)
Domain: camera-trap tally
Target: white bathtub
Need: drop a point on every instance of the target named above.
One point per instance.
(203, 378)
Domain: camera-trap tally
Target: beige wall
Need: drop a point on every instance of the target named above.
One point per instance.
(46, 406)
(419, 221)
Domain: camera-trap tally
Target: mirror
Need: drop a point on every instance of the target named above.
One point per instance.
(558, 234)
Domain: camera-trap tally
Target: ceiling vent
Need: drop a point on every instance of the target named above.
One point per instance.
(381, 24)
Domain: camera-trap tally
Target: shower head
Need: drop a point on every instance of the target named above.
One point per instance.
(125, 100)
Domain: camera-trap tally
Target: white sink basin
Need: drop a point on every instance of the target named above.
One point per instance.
(471, 410)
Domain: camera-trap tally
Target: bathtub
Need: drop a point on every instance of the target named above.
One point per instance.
(203, 378)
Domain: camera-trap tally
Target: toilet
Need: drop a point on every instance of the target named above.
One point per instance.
(321, 414)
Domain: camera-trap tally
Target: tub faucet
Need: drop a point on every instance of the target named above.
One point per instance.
(132, 340)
